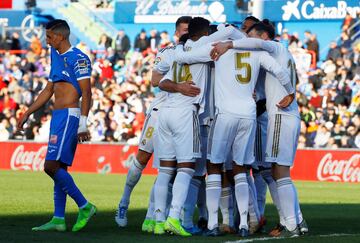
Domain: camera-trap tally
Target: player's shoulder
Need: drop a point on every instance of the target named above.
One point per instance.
(76, 54)
(165, 50)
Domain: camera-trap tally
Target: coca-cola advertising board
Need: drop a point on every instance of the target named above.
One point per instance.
(310, 164)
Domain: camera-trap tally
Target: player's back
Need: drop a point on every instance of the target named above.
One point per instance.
(196, 73)
(274, 90)
(236, 74)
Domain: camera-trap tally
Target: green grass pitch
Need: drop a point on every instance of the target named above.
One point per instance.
(332, 211)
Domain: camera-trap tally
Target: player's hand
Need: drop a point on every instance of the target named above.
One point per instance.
(83, 137)
(219, 49)
(22, 120)
(189, 89)
(286, 101)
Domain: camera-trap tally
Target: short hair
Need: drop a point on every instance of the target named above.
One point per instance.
(183, 20)
(264, 26)
(252, 18)
(198, 26)
(59, 26)
(212, 29)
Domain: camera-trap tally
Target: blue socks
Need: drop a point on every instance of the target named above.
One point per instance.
(59, 201)
(64, 181)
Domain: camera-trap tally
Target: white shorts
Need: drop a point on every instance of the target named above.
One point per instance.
(283, 134)
(148, 133)
(200, 166)
(179, 135)
(260, 142)
(229, 133)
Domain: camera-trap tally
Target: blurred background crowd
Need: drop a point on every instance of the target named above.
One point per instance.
(328, 93)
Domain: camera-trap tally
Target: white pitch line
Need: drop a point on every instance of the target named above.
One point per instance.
(280, 238)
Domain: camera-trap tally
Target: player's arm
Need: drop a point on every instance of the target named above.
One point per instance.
(82, 69)
(281, 74)
(201, 54)
(244, 43)
(42, 99)
(156, 78)
(186, 88)
(223, 33)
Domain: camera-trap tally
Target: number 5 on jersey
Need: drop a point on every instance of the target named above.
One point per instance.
(240, 64)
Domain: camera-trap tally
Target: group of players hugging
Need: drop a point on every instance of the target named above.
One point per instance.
(223, 129)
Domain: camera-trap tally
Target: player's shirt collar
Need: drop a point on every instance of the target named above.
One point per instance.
(70, 49)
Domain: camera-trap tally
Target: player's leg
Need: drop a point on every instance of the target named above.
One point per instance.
(261, 188)
(227, 202)
(167, 169)
(196, 181)
(149, 221)
(243, 156)
(254, 213)
(62, 147)
(187, 145)
(281, 168)
(220, 139)
(201, 205)
(143, 156)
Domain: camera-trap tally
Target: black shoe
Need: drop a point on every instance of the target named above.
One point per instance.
(214, 232)
(243, 232)
(202, 224)
(304, 229)
(285, 233)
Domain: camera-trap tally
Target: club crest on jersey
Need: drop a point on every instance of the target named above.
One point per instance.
(157, 60)
(65, 60)
(143, 142)
(82, 63)
(53, 139)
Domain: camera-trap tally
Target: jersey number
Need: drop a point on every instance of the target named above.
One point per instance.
(240, 64)
(149, 132)
(183, 74)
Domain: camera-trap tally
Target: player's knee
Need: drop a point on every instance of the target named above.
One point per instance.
(143, 157)
(213, 168)
(50, 168)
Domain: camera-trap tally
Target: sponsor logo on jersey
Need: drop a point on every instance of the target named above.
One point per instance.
(53, 139)
(157, 60)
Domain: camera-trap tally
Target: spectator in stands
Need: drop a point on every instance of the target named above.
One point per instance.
(142, 41)
(35, 45)
(122, 44)
(104, 43)
(334, 52)
(154, 40)
(165, 39)
(15, 41)
(313, 45)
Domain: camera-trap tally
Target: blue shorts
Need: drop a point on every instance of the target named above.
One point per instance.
(63, 135)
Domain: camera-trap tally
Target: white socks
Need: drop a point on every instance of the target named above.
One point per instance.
(261, 187)
(227, 206)
(288, 201)
(161, 192)
(253, 205)
(180, 191)
(189, 205)
(242, 198)
(213, 193)
(132, 178)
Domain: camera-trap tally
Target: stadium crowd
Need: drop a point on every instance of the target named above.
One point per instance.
(328, 94)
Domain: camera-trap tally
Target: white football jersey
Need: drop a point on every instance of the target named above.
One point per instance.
(197, 72)
(163, 62)
(236, 74)
(273, 89)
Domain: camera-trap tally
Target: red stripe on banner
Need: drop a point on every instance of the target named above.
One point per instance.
(310, 164)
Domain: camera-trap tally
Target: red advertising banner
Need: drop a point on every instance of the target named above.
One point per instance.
(6, 4)
(310, 164)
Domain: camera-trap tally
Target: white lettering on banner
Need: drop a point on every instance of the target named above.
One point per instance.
(28, 160)
(168, 11)
(310, 11)
(339, 170)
